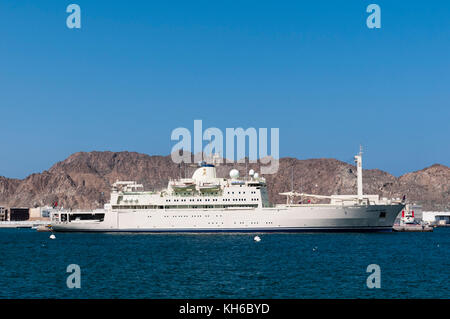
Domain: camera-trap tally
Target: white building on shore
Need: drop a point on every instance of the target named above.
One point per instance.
(437, 218)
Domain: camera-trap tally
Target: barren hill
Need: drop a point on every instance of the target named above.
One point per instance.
(83, 180)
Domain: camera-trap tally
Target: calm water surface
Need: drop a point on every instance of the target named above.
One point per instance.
(413, 265)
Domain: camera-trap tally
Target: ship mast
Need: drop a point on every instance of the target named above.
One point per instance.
(358, 160)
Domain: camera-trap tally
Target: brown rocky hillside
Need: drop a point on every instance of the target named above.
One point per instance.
(83, 180)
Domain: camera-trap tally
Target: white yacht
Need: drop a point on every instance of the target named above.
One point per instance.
(208, 203)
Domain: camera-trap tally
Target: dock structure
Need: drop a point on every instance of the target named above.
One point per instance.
(3, 213)
(439, 219)
(412, 228)
(24, 217)
(24, 224)
(19, 214)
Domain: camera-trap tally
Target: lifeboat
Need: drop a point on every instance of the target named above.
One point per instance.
(183, 186)
(208, 187)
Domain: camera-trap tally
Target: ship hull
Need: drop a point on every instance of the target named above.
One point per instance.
(300, 218)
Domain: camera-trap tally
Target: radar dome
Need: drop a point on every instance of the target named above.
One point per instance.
(234, 173)
(251, 172)
(256, 175)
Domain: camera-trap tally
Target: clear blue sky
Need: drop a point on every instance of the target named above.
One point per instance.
(138, 69)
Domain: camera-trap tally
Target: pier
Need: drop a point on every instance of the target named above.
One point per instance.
(412, 228)
(23, 217)
(24, 224)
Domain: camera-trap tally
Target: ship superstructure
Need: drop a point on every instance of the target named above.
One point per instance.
(208, 203)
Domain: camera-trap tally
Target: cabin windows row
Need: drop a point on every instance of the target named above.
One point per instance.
(238, 193)
(134, 207)
(251, 223)
(187, 206)
(193, 200)
(190, 194)
(210, 200)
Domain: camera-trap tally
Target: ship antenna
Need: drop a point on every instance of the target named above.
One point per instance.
(358, 160)
(246, 169)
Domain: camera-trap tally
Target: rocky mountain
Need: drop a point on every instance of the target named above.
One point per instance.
(83, 180)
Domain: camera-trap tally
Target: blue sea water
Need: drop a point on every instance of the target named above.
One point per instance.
(413, 265)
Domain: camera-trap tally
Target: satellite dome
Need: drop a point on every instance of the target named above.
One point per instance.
(256, 175)
(234, 173)
(251, 172)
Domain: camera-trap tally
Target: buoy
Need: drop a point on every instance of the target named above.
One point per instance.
(257, 239)
(315, 248)
(52, 236)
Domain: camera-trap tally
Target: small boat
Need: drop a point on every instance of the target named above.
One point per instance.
(183, 186)
(208, 187)
(44, 228)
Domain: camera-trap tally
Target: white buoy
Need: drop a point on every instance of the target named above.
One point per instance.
(257, 239)
(52, 236)
(315, 248)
